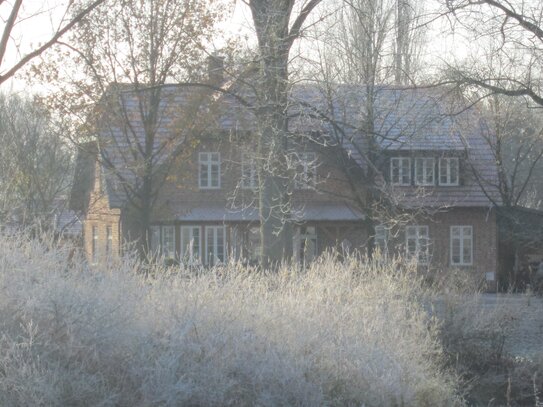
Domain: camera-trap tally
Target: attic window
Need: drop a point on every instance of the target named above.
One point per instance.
(448, 171)
(400, 170)
(424, 171)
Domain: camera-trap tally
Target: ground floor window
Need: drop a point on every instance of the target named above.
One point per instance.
(461, 245)
(381, 239)
(191, 252)
(94, 248)
(215, 244)
(162, 241)
(305, 244)
(417, 243)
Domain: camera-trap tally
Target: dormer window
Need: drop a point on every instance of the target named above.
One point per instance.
(424, 171)
(400, 171)
(306, 178)
(448, 171)
(249, 173)
(209, 170)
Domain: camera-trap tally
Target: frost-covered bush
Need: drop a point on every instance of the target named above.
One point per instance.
(349, 333)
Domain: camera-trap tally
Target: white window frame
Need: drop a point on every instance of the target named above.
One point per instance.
(168, 251)
(401, 161)
(427, 178)
(306, 177)
(191, 257)
(460, 233)
(206, 159)
(445, 164)
(214, 252)
(249, 173)
(154, 239)
(381, 239)
(422, 251)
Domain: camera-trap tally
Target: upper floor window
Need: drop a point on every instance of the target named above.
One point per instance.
(448, 171)
(249, 174)
(209, 170)
(424, 171)
(306, 176)
(461, 245)
(400, 170)
(417, 243)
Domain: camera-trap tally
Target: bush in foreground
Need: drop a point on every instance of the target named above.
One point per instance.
(348, 333)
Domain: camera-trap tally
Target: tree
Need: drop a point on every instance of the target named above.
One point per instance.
(35, 163)
(73, 13)
(514, 29)
(275, 36)
(128, 51)
(367, 45)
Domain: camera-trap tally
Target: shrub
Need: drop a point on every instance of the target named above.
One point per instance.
(351, 333)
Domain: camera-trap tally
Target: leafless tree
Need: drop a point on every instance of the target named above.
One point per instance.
(129, 51)
(17, 15)
(35, 163)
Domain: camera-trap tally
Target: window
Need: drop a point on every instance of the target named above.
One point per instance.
(94, 248)
(400, 171)
(461, 245)
(305, 247)
(215, 240)
(417, 243)
(210, 170)
(109, 240)
(249, 174)
(448, 171)
(154, 239)
(424, 171)
(381, 239)
(190, 244)
(306, 176)
(168, 242)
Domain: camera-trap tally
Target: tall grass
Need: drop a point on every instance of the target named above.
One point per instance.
(350, 333)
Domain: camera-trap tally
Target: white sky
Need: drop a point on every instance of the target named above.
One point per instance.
(48, 13)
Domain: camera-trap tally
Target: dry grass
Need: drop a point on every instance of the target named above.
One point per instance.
(349, 333)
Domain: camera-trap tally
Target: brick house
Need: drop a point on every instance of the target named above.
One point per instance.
(436, 167)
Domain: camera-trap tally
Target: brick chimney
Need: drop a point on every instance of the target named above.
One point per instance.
(215, 69)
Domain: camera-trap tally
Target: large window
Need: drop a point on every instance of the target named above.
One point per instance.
(305, 244)
(381, 239)
(249, 174)
(215, 245)
(461, 245)
(209, 170)
(306, 176)
(424, 171)
(400, 171)
(417, 243)
(168, 242)
(190, 244)
(448, 171)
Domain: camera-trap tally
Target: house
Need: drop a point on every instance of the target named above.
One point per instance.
(435, 168)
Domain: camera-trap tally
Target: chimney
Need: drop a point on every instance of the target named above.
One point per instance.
(215, 69)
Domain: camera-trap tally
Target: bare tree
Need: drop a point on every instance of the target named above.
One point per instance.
(514, 29)
(277, 26)
(128, 52)
(35, 163)
(73, 13)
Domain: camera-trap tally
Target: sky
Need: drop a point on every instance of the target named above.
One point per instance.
(47, 14)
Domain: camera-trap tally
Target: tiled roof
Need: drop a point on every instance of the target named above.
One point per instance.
(404, 120)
